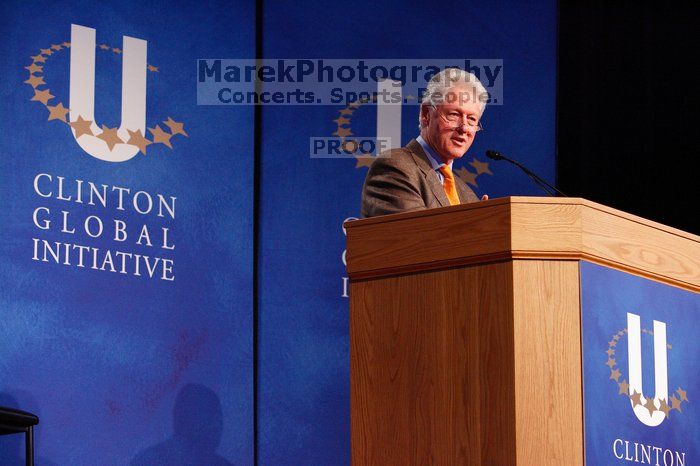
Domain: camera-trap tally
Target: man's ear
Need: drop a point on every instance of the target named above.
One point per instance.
(424, 114)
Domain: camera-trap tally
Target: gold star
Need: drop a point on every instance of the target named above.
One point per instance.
(56, 47)
(682, 393)
(161, 136)
(616, 338)
(104, 46)
(137, 139)
(636, 398)
(364, 161)
(57, 112)
(343, 132)
(110, 136)
(610, 352)
(38, 58)
(47, 52)
(66, 44)
(612, 343)
(615, 375)
(42, 96)
(346, 111)
(467, 176)
(152, 68)
(620, 333)
(342, 121)
(410, 97)
(175, 127)
(624, 388)
(676, 403)
(34, 68)
(117, 50)
(354, 104)
(649, 405)
(611, 362)
(81, 127)
(481, 167)
(664, 407)
(35, 81)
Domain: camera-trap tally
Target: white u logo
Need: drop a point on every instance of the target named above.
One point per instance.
(634, 357)
(82, 93)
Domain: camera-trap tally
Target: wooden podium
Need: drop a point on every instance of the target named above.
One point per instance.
(465, 326)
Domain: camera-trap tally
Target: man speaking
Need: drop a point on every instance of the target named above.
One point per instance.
(419, 176)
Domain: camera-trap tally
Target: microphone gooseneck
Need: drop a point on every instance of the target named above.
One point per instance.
(546, 187)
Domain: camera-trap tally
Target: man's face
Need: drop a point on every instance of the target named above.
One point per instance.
(446, 127)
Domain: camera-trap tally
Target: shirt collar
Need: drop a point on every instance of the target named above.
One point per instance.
(435, 161)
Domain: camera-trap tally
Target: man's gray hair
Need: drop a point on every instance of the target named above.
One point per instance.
(448, 78)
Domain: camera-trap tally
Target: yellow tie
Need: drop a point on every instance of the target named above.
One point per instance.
(449, 185)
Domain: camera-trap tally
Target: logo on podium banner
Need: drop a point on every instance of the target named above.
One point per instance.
(111, 144)
(651, 411)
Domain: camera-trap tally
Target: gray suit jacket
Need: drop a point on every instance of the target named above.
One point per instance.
(405, 181)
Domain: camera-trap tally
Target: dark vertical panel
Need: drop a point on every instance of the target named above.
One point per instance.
(627, 98)
(257, 147)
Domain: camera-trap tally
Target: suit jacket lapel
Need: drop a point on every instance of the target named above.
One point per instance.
(431, 177)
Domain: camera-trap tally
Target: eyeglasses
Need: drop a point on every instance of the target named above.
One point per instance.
(455, 118)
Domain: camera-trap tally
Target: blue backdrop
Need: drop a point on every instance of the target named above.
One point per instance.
(122, 368)
(115, 363)
(303, 331)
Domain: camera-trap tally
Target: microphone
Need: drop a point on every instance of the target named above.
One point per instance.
(494, 155)
(546, 187)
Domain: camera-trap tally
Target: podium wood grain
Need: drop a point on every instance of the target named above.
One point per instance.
(547, 355)
(434, 377)
(522, 228)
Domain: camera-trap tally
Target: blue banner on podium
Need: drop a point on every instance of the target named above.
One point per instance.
(640, 369)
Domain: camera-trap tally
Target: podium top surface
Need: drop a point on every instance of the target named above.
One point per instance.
(522, 228)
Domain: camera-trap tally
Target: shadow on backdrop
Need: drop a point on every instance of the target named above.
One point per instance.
(197, 424)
